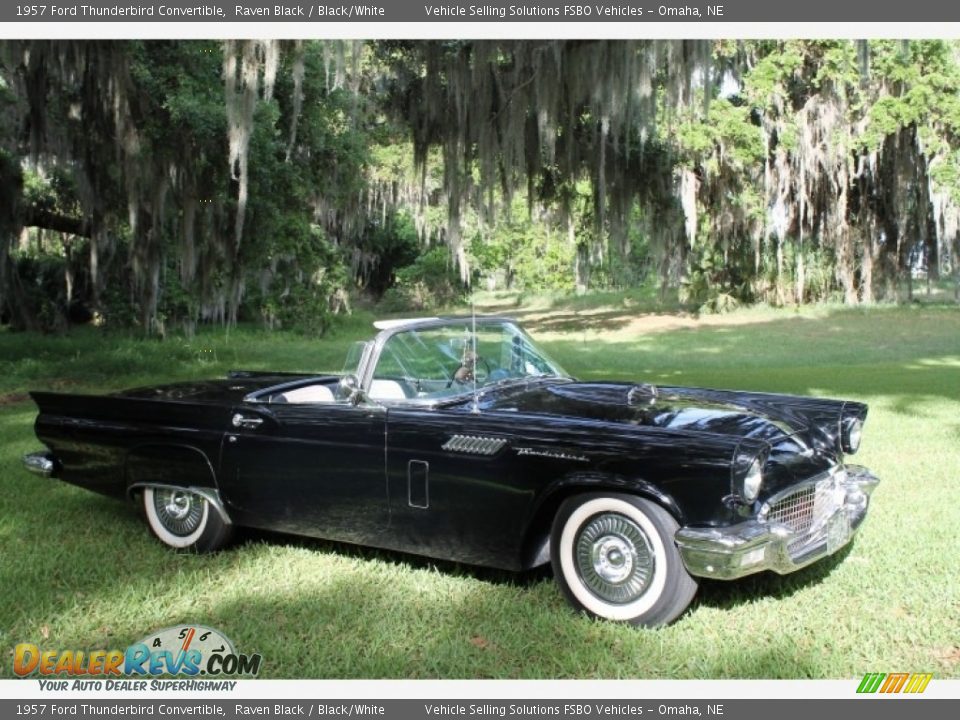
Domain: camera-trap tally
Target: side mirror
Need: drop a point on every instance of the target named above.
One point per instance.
(349, 390)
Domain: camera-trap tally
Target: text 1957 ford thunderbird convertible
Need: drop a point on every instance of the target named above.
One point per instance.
(460, 439)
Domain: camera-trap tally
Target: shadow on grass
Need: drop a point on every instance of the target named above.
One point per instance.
(382, 631)
(712, 593)
(247, 537)
(725, 595)
(574, 322)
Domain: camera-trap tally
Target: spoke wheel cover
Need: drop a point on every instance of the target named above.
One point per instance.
(646, 577)
(177, 517)
(614, 558)
(178, 511)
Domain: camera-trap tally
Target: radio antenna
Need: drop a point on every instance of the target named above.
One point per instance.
(473, 318)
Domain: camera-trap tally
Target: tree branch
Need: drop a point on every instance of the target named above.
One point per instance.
(37, 217)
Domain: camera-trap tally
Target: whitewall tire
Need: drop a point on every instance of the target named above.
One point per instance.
(184, 520)
(614, 558)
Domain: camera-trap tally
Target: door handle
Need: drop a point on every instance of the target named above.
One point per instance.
(246, 422)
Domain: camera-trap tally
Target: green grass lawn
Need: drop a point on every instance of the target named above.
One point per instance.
(78, 571)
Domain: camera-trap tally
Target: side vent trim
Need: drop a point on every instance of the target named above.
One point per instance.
(474, 444)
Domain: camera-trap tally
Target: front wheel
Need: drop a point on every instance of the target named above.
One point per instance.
(614, 558)
(184, 520)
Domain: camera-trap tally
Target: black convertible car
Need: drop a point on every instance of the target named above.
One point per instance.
(460, 439)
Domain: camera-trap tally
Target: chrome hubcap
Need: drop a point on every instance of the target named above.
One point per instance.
(180, 512)
(614, 558)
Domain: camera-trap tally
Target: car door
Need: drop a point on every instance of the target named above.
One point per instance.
(307, 468)
(457, 490)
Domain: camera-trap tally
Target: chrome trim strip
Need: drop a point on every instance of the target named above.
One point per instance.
(751, 546)
(211, 495)
(555, 454)
(40, 463)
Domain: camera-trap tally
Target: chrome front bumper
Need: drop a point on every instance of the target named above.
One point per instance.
(40, 463)
(838, 504)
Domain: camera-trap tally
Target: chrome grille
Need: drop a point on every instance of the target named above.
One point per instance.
(795, 510)
(804, 509)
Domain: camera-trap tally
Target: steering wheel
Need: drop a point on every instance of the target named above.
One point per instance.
(465, 374)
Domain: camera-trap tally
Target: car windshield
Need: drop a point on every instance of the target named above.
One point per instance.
(443, 361)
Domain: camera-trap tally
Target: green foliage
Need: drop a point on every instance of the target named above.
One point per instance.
(305, 288)
(712, 285)
(429, 283)
(387, 244)
(54, 192)
(522, 254)
(626, 269)
(41, 280)
(728, 127)
(283, 270)
(345, 194)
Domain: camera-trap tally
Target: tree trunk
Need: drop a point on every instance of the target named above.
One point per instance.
(581, 268)
(779, 290)
(801, 281)
(956, 267)
(581, 260)
(932, 250)
(845, 267)
(866, 269)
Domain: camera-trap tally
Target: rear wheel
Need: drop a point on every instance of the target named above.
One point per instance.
(184, 520)
(614, 558)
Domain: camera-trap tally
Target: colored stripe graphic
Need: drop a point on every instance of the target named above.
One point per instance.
(918, 682)
(894, 682)
(891, 683)
(870, 682)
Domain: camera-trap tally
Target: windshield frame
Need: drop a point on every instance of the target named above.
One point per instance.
(379, 342)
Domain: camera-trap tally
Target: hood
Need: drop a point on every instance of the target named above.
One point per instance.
(800, 432)
(670, 408)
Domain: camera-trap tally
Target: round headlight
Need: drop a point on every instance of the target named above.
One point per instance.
(852, 431)
(752, 481)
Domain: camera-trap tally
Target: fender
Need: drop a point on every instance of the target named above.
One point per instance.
(536, 545)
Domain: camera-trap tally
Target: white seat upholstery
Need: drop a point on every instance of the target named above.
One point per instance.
(387, 390)
(309, 394)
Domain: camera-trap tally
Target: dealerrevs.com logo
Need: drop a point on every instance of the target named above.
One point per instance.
(890, 683)
(182, 650)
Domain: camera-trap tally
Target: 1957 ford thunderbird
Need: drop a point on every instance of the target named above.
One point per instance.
(460, 439)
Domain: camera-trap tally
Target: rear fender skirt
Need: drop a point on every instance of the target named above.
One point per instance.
(180, 467)
(211, 495)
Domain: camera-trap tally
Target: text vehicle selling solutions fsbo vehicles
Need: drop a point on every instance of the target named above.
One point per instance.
(460, 439)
